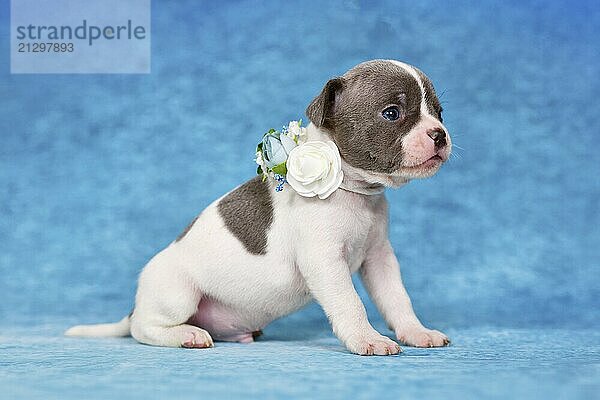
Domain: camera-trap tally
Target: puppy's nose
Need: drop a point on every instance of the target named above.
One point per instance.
(438, 136)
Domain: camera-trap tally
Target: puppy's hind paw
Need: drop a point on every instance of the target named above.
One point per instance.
(197, 339)
(378, 345)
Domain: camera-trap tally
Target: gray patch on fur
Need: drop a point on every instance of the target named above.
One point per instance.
(186, 230)
(248, 214)
(349, 108)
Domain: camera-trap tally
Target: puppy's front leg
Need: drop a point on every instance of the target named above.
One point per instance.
(381, 275)
(330, 283)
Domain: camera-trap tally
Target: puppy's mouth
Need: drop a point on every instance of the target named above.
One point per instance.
(432, 162)
(424, 169)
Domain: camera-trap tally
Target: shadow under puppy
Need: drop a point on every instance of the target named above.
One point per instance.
(257, 254)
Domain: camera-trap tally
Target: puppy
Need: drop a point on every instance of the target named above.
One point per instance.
(257, 254)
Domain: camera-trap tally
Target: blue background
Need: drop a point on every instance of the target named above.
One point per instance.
(501, 249)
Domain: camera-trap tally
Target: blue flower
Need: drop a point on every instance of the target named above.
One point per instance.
(275, 148)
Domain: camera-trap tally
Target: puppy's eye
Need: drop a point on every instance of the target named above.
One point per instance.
(391, 113)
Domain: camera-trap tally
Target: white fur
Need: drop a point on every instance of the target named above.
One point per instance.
(313, 248)
(121, 328)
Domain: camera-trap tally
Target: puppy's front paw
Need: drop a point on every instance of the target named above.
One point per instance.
(421, 337)
(373, 344)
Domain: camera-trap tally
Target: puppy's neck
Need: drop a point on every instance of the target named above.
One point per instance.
(354, 182)
(358, 180)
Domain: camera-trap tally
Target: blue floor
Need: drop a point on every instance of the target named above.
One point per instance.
(499, 250)
(482, 363)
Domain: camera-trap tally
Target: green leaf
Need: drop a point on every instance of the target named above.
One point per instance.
(259, 170)
(280, 169)
(300, 122)
(259, 147)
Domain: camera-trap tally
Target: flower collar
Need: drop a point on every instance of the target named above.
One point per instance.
(311, 167)
(369, 190)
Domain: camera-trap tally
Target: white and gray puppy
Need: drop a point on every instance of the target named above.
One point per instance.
(255, 255)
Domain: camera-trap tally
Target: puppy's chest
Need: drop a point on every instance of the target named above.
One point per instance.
(355, 227)
(345, 223)
(356, 242)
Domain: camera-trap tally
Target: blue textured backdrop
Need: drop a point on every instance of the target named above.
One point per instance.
(99, 172)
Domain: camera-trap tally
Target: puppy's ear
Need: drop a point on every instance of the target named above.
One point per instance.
(320, 110)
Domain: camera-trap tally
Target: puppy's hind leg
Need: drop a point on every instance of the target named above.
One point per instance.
(164, 302)
(183, 335)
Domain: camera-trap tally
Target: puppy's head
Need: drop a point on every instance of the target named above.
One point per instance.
(386, 120)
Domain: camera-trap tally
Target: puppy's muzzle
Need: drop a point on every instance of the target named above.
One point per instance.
(439, 138)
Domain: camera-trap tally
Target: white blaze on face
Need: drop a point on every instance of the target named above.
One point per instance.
(414, 74)
(417, 146)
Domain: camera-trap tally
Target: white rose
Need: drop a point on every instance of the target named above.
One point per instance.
(315, 169)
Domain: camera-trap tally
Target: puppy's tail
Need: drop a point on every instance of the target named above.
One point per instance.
(118, 329)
